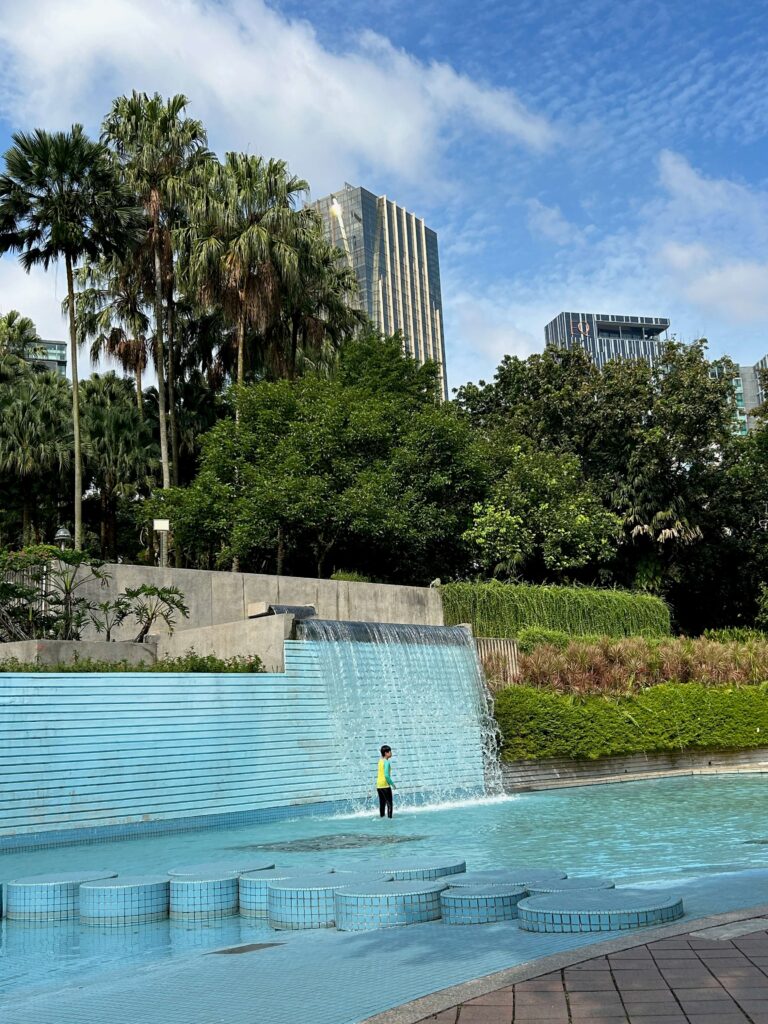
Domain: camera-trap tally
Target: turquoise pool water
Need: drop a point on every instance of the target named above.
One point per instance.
(643, 832)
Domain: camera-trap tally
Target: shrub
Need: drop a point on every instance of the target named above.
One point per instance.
(531, 637)
(350, 576)
(670, 717)
(187, 663)
(504, 609)
(735, 634)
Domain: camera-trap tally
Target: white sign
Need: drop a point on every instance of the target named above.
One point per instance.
(161, 525)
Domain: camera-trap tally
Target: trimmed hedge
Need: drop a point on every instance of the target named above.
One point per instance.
(531, 637)
(187, 663)
(504, 609)
(536, 724)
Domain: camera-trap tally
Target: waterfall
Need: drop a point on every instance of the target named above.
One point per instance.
(419, 689)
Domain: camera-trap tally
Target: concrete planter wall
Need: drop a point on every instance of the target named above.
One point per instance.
(67, 652)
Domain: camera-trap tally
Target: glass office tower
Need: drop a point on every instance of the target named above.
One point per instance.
(394, 256)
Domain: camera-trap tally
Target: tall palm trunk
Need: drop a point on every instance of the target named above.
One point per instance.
(139, 392)
(172, 411)
(78, 496)
(160, 347)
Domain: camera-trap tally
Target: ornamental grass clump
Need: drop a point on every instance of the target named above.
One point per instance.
(627, 665)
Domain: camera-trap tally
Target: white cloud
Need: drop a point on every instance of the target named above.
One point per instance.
(548, 222)
(260, 81)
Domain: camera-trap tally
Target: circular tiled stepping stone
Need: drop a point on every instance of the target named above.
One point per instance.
(596, 910)
(523, 875)
(387, 904)
(253, 887)
(204, 897)
(481, 904)
(130, 899)
(303, 901)
(54, 897)
(407, 870)
(570, 885)
(222, 867)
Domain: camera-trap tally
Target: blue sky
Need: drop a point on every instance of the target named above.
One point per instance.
(570, 155)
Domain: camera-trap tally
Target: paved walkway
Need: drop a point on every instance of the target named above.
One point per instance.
(716, 976)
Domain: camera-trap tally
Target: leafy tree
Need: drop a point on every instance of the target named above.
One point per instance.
(149, 604)
(543, 519)
(60, 198)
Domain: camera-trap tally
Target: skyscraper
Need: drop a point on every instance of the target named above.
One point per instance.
(394, 255)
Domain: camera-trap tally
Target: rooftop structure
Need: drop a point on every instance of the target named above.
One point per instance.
(607, 336)
(394, 255)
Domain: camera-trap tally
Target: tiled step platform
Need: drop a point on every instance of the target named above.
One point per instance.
(205, 897)
(362, 897)
(53, 897)
(407, 870)
(253, 888)
(481, 904)
(385, 904)
(597, 910)
(520, 875)
(130, 899)
(576, 884)
(307, 901)
(215, 868)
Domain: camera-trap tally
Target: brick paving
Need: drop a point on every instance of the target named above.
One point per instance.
(683, 980)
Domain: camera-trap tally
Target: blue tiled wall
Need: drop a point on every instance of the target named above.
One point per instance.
(114, 753)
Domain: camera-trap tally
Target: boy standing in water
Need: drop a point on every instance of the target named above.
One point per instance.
(384, 783)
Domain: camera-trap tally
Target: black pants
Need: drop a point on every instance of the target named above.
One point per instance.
(385, 801)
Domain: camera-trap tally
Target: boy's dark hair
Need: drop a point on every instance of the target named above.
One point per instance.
(386, 750)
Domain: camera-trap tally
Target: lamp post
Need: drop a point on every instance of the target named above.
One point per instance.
(63, 538)
(162, 527)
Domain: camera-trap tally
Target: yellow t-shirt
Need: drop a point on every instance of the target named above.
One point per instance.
(382, 782)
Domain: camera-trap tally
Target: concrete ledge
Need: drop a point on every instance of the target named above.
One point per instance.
(68, 652)
(416, 1010)
(555, 773)
(262, 636)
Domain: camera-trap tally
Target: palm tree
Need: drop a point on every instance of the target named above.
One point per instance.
(61, 198)
(160, 150)
(121, 454)
(241, 242)
(19, 337)
(318, 308)
(111, 311)
(35, 435)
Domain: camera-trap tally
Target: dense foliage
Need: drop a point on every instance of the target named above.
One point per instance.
(538, 723)
(186, 663)
(496, 609)
(285, 435)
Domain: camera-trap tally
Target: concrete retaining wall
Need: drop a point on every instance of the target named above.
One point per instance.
(563, 771)
(219, 597)
(263, 637)
(67, 652)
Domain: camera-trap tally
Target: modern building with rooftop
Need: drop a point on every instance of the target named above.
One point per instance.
(51, 355)
(607, 336)
(394, 255)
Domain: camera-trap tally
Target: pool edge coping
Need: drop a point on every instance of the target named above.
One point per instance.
(416, 1010)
